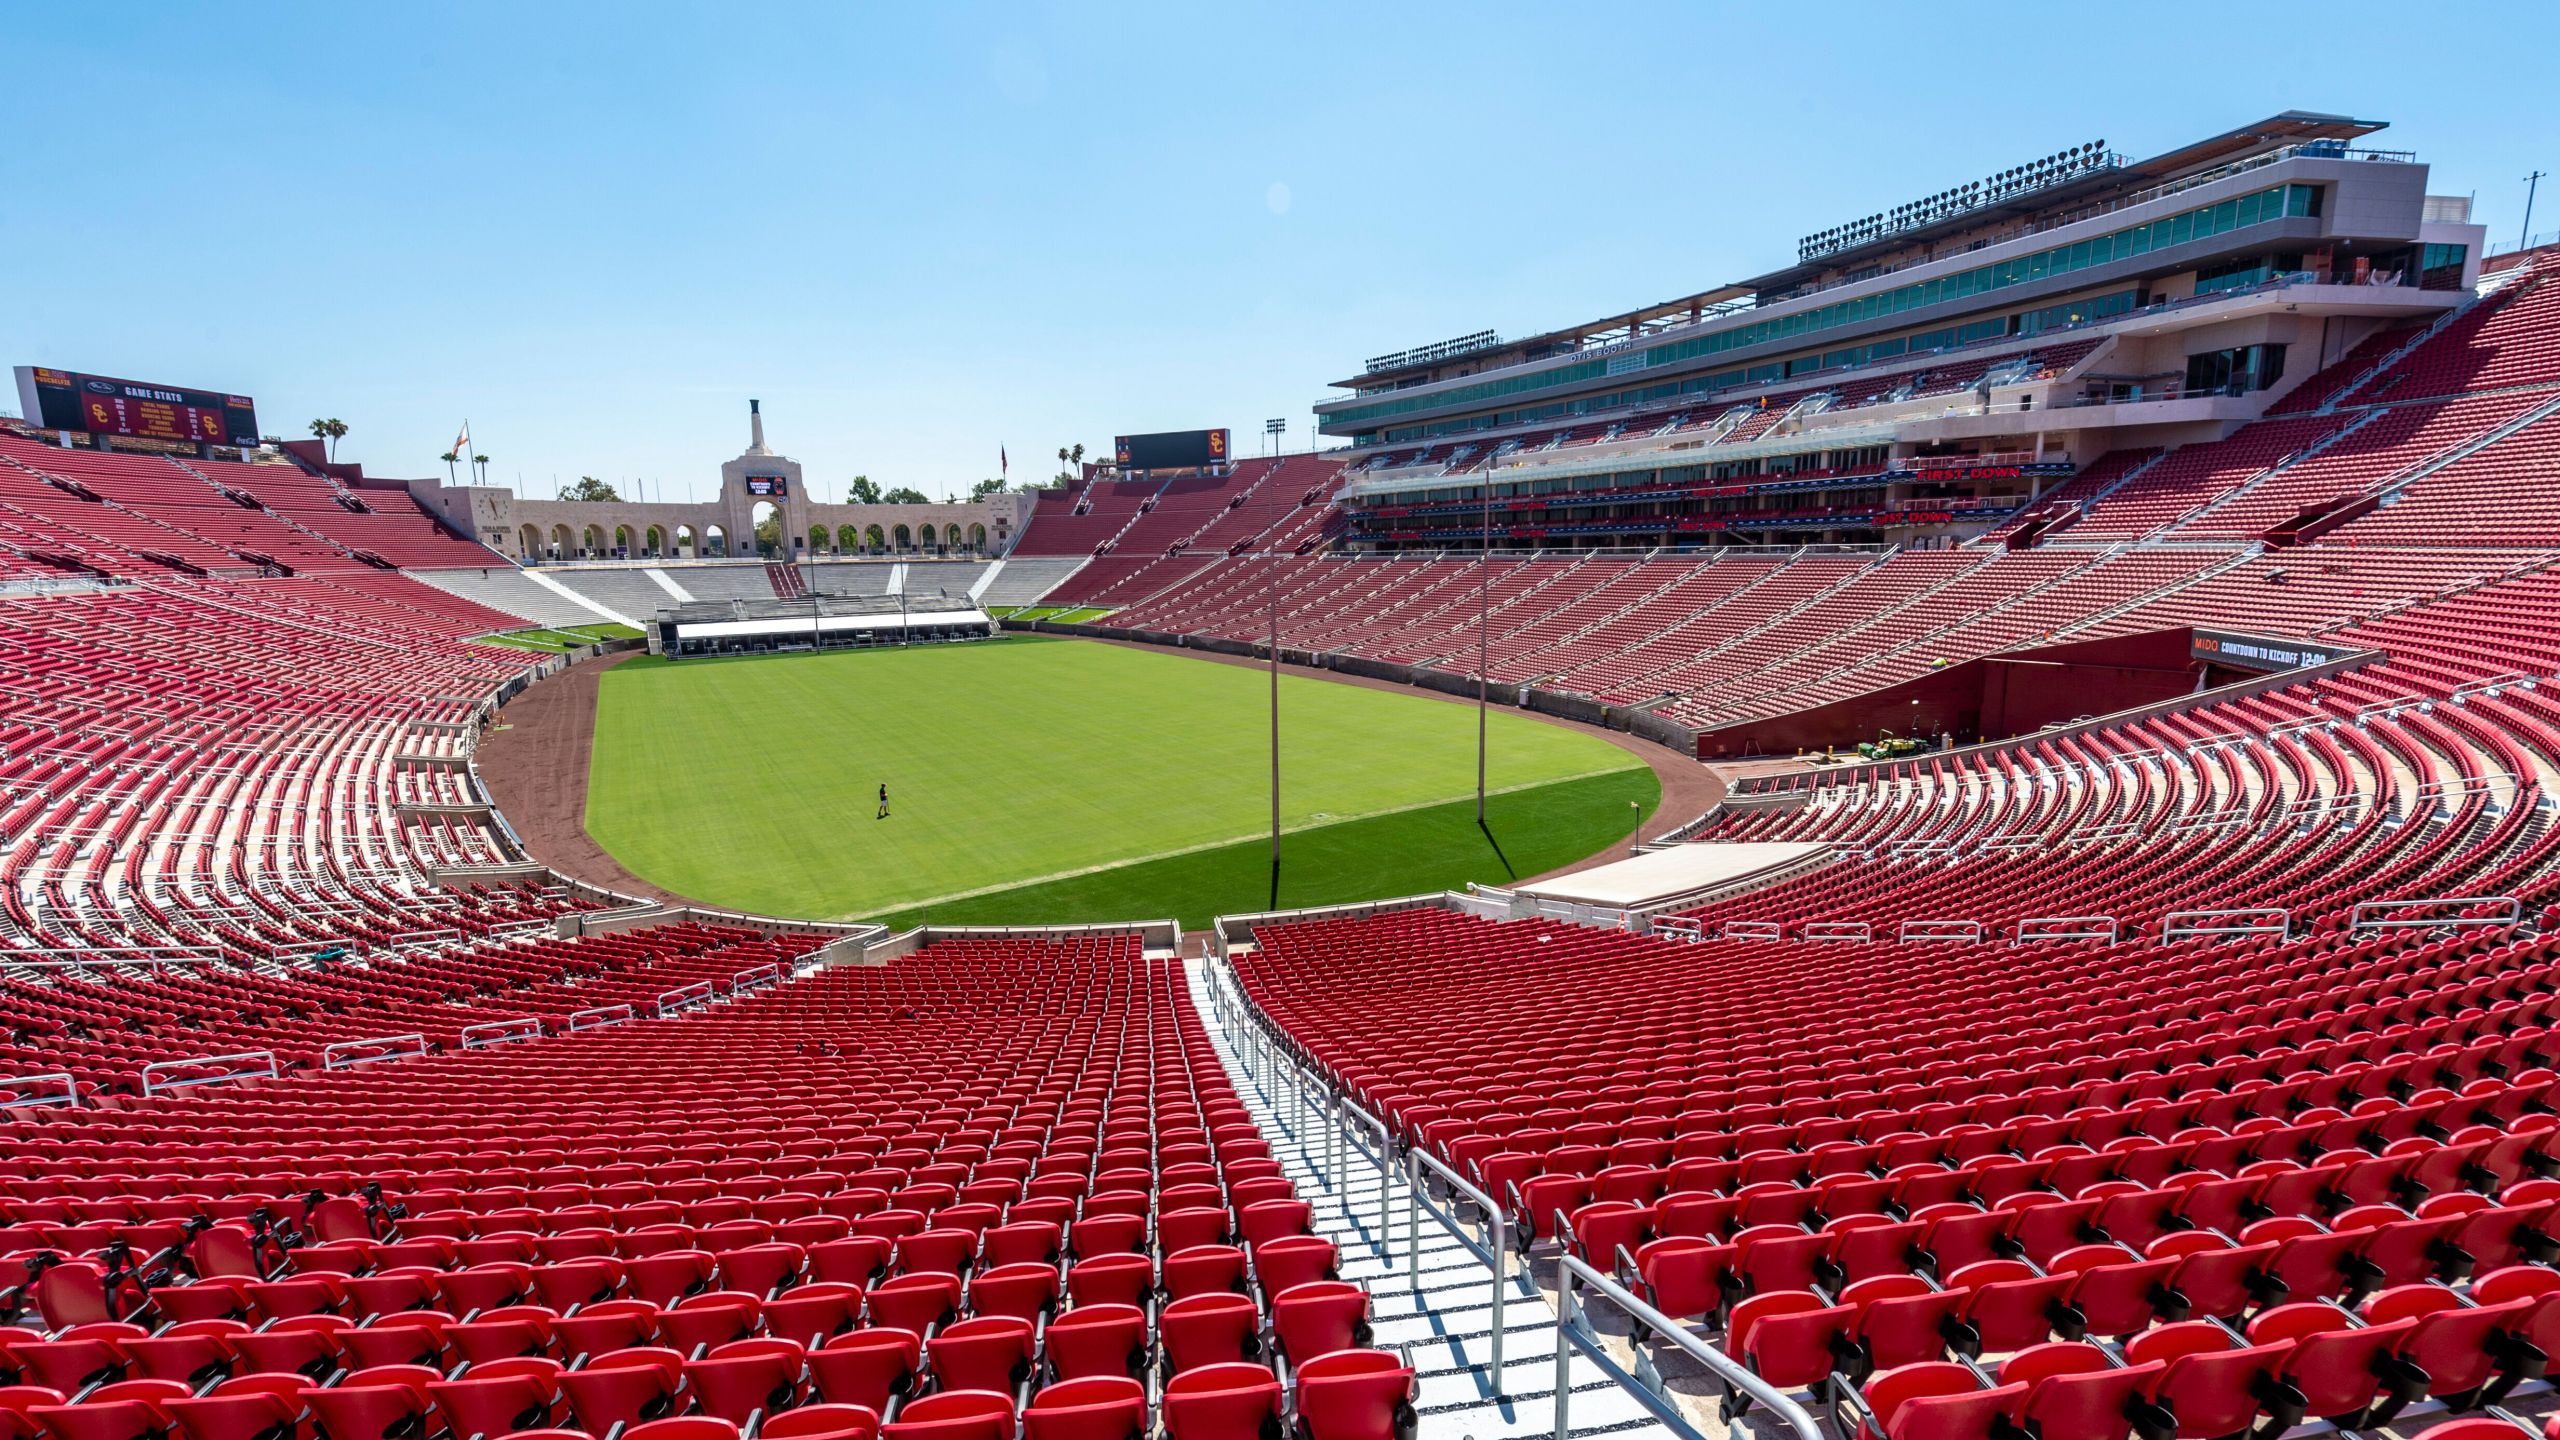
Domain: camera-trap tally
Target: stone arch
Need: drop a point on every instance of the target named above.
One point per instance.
(715, 542)
(563, 545)
(873, 540)
(529, 541)
(654, 542)
(978, 539)
(903, 537)
(817, 539)
(622, 542)
(688, 545)
(848, 540)
(951, 537)
(591, 541)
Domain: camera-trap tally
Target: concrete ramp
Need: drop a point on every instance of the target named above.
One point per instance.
(616, 616)
(1674, 871)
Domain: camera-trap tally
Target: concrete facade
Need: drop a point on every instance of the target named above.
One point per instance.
(538, 530)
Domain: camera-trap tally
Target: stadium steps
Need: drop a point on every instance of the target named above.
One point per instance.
(1677, 577)
(1501, 613)
(2389, 488)
(2338, 398)
(269, 511)
(1445, 1325)
(1780, 661)
(1779, 701)
(2209, 507)
(1749, 632)
(507, 588)
(2238, 558)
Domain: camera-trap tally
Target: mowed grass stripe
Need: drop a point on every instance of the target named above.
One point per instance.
(750, 782)
(1436, 847)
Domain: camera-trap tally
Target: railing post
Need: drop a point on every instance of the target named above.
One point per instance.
(1564, 1353)
(1500, 1232)
(1413, 1224)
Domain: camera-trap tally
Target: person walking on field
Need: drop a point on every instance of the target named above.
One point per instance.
(884, 802)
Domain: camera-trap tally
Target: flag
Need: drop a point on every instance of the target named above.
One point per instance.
(462, 442)
(1004, 462)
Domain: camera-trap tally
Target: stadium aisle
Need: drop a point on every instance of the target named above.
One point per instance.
(1446, 1327)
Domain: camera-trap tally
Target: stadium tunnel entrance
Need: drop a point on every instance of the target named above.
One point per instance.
(2001, 697)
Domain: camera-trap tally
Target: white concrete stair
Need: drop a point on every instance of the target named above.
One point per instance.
(1445, 1325)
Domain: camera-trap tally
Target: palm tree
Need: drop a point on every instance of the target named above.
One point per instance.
(449, 457)
(330, 430)
(480, 465)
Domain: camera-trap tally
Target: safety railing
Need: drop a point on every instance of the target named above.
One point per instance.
(1680, 927)
(1268, 1062)
(1754, 930)
(1495, 1252)
(2396, 914)
(1574, 1332)
(1853, 932)
(2226, 924)
(1968, 931)
(2067, 927)
(161, 1076)
(54, 1087)
(2490, 687)
(2391, 708)
(500, 1032)
(686, 997)
(348, 1054)
(755, 977)
(598, 1017)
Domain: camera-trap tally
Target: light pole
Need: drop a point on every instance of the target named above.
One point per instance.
(1275, 730)
(1484, 634)
(1272, 430)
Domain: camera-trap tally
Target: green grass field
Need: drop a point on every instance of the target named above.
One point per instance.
(563, 638)
(1043, 780)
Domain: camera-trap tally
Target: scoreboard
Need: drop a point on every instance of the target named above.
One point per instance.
(768, 486)
(98, 405)
(1171, 450)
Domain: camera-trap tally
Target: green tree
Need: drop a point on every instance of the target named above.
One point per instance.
(769, 533)
(480, 467)
(449, 458)
(331, 430)
(987, 487)
(862, 492)
(904, 495)
(1070, 463)
(591, 488)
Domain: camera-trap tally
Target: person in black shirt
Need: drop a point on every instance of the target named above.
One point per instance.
(884, 802)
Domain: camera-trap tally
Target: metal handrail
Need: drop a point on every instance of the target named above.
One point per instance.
(499, 1032)
(755, 977)
(1852, 931)
(1753, 930)
(686, 997)
(2512, 913)
(2252, 920)
(599, 1017)
(1386, 1159)
(1572, 1331)
(1969, 931)
(1497, 1237)
(348, 1054)
(266, 1069)
(2067, 927)
(12, 1086)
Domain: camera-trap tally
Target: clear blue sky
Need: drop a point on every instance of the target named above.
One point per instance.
(919, 232)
